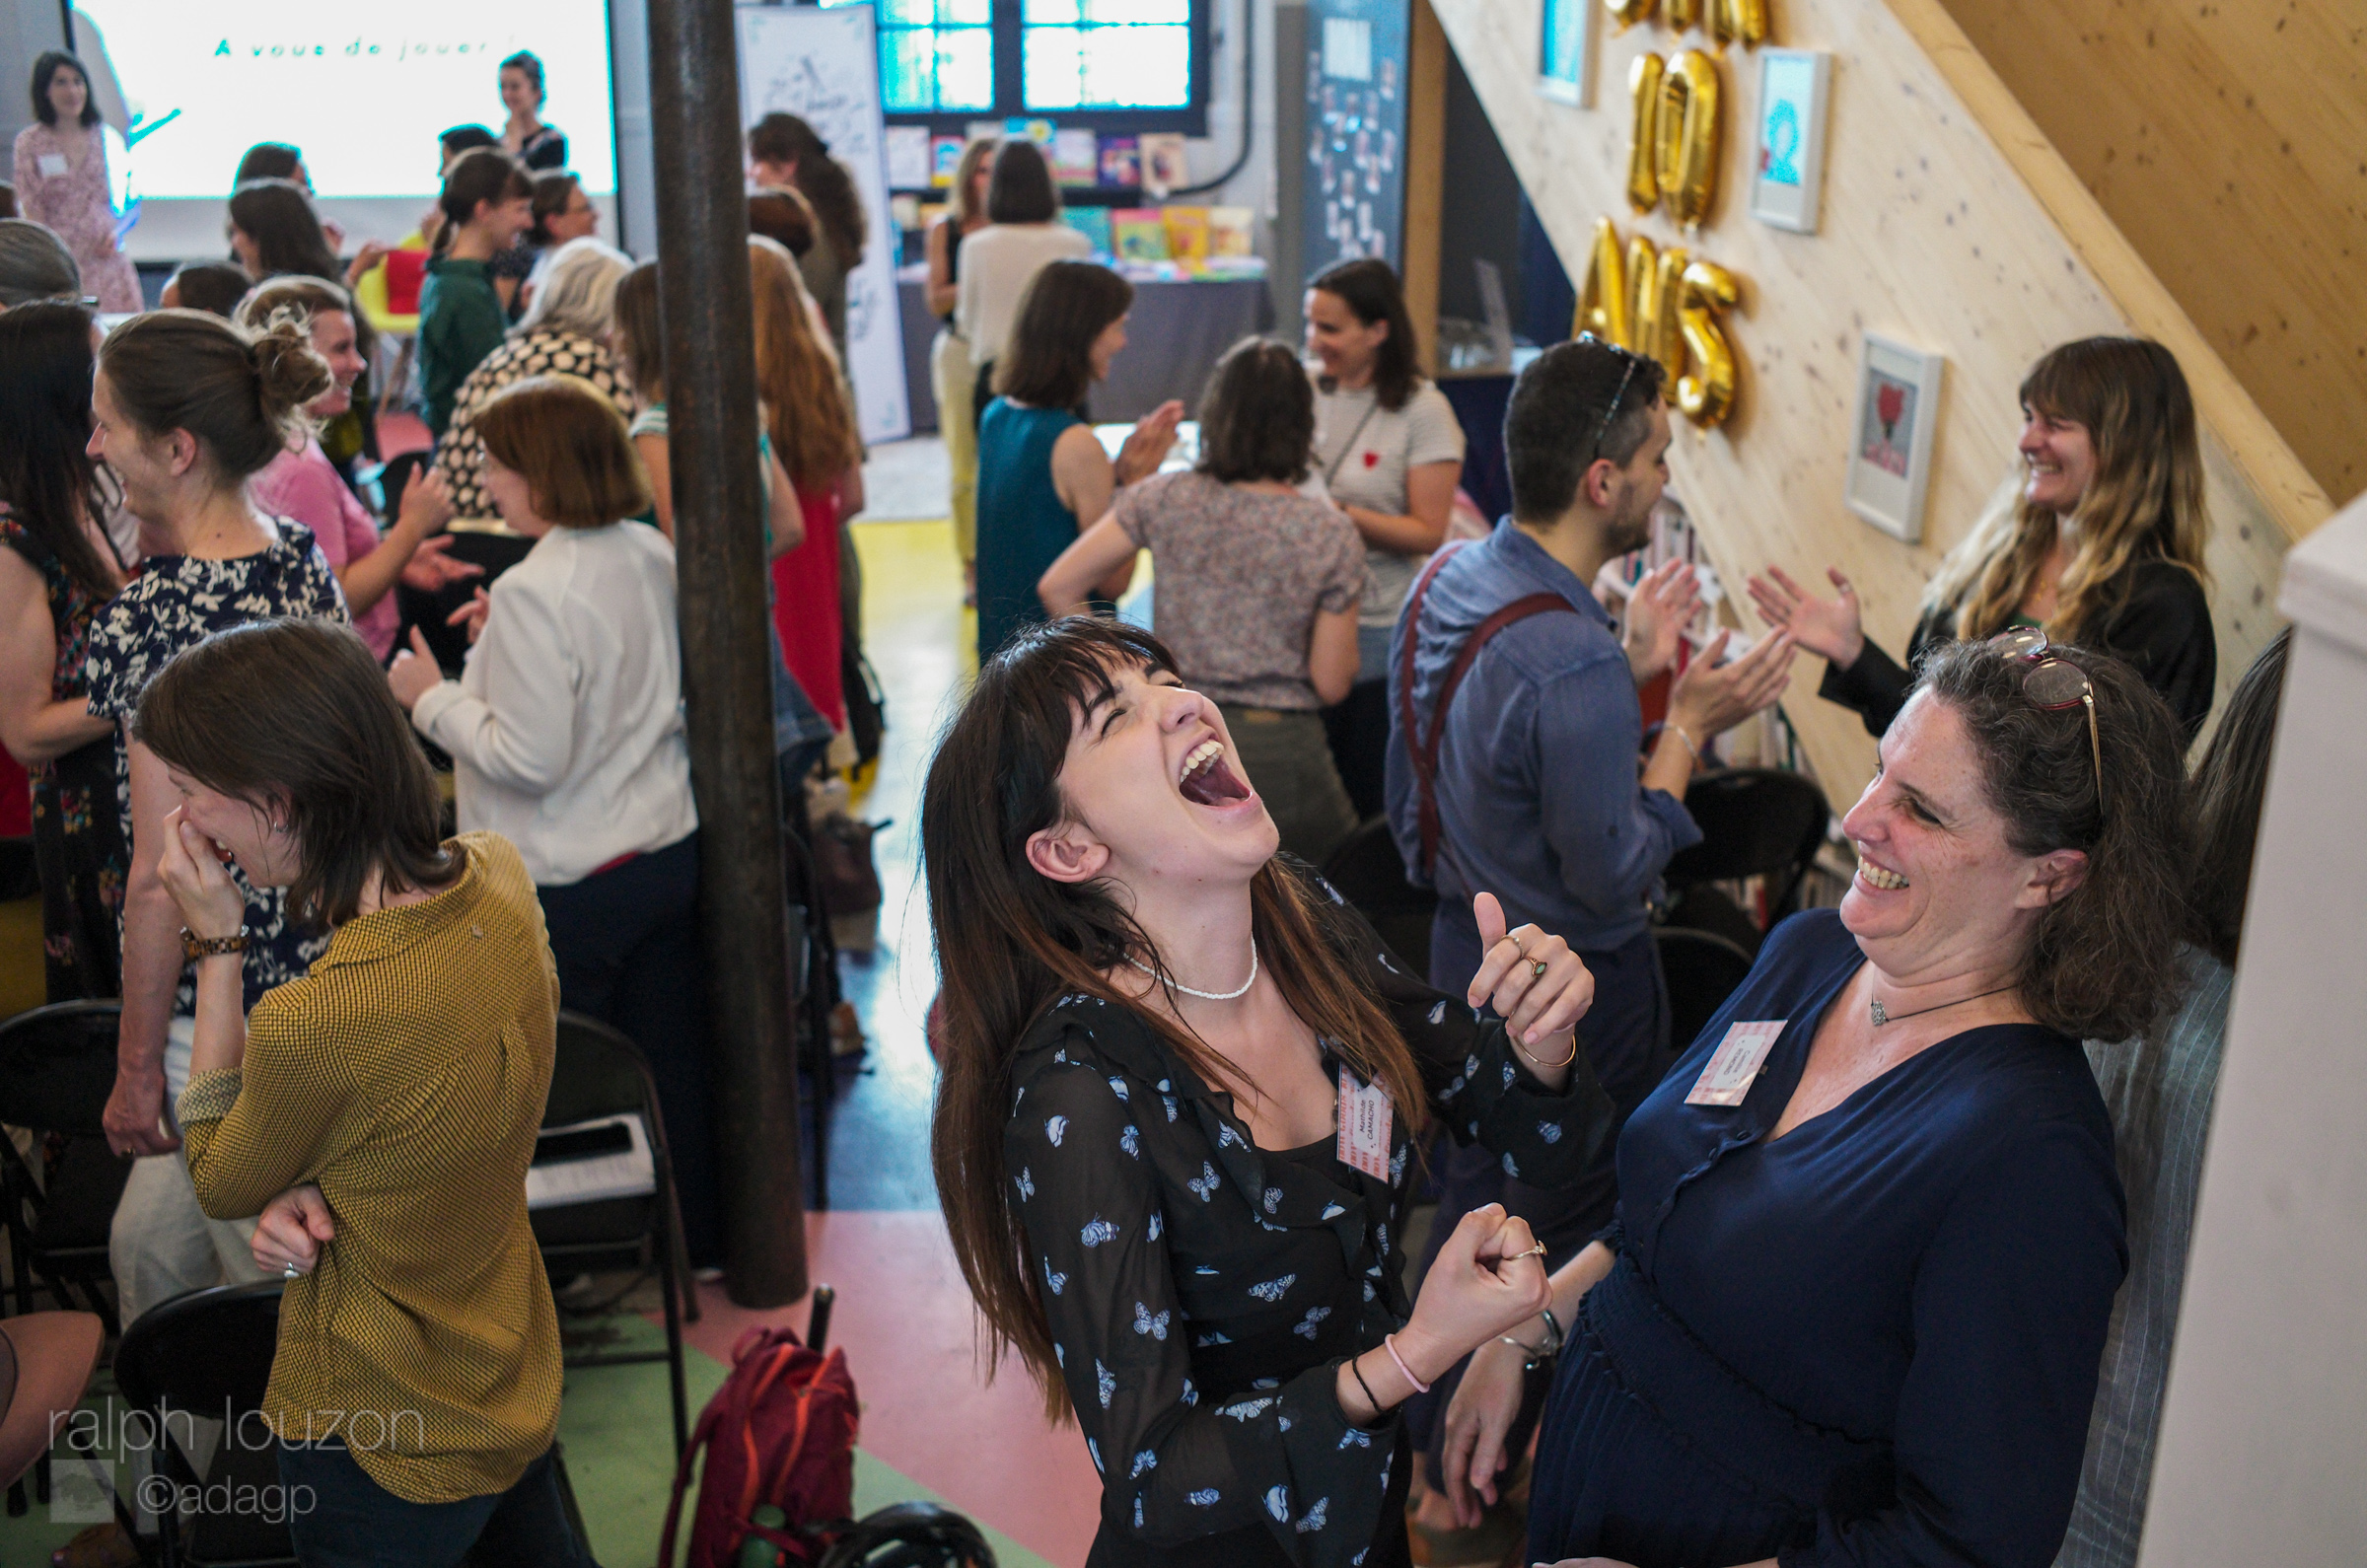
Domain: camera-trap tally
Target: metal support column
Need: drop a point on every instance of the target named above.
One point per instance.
(727, 666)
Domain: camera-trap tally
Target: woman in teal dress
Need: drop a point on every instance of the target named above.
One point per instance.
(58, 569)
(1043, 475)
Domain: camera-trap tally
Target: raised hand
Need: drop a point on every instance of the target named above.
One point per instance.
(1486, 1280)
(415, 672)
(1533, 981)
(192, 867)
(1658, 609)
(431, 568)
(1148, 443)
(1710, 698)
(1828, 627)
(471, 615)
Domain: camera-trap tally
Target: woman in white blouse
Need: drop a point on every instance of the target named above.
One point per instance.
(1023, 235)
(566, 737)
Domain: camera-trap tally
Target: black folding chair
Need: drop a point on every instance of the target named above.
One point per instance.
(58, 1067)
(1702, 971)
(207, 1356)
(1369, 872)
(1755, 821)
(601, 1073)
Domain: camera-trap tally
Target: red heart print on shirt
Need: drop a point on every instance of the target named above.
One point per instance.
(1372, 459)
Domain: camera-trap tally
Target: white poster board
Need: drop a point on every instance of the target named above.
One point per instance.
(822, 66)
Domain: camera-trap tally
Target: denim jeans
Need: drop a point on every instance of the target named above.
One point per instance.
(342, 1519)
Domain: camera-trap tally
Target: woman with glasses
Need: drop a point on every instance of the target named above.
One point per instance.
(2103, 548)
(1868, 1229)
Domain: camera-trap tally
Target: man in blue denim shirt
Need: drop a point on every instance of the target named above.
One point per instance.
(1537, 787)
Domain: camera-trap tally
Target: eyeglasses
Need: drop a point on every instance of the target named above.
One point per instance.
(1633, 359)
(2055, 685)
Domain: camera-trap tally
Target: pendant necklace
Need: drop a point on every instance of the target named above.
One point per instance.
(1206, 996)
(1881, 1018)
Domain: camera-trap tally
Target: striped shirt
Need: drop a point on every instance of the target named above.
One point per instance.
(406, 1076)
(2158, 1091)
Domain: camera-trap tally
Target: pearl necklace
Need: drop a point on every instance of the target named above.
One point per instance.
(1206, 996)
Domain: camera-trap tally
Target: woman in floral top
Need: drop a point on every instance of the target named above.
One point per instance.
(1154, 1190)
(185, 407)
(58, 570)
(565, 334)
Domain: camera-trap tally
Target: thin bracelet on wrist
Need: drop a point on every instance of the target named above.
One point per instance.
(1358, 1373)
(1541, 1062)
(1681, 734)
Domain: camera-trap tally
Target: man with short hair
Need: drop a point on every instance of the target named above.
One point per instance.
(1533, 790)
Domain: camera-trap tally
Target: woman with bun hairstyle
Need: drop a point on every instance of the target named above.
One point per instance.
(487, 203)
(185, 408)
(2104, 548)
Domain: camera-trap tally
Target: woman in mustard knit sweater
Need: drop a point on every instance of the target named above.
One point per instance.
(381, 1110)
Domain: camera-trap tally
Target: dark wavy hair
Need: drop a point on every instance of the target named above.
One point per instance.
(47, 479)
(822, 179)
(1368, 286)
(299, 711)
(45, 67)
(2103, 963)
(2230, 783)
(1257, 415)
(1048, 360)
(1010, 941)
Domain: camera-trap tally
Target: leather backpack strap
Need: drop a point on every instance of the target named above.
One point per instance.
(1426, 807)
(1539, 603)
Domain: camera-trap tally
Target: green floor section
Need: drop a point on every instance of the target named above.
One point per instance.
(619, 1435)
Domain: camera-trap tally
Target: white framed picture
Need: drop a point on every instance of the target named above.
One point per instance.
(1566, 52)
(1891, 439)
(1787, 177)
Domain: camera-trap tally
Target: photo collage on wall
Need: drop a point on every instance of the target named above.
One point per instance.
(1356, 118)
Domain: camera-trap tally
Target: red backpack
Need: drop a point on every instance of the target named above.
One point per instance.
(781, 1430)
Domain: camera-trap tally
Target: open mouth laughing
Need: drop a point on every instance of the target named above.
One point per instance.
(1207, 779)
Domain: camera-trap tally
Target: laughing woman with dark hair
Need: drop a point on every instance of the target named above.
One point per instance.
(378, 1112)
(1042, 470)
(1869, 1229)
(1182, 1206)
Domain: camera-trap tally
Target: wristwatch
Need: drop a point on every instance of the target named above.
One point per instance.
(194, 946)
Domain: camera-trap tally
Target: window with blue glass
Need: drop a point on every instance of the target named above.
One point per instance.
(1128, 65)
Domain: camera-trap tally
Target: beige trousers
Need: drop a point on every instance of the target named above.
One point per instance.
(951, 375)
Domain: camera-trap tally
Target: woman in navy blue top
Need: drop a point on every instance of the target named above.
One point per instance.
(1043, 475)
(1869, 1227)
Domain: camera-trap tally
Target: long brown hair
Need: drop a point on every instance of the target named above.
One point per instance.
(822, 179)
(1047, 361)
(2103, 962)
(2230, 782)
(1010, 941)
(2144, 503)
(47, 479)
(300, 710)
(795, 375)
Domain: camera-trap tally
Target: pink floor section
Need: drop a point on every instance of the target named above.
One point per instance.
(904, 1318)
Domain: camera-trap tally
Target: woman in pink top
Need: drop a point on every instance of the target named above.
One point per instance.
(62, 179)
(305, 485)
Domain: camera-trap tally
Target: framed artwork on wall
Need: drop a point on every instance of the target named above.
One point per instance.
(1566, 52)
(1787, 177)
(1891, 439)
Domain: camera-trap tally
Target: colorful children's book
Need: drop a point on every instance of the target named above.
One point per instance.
(1163, 165)
(1187, 233)
(1094, 224)
(1122, 163)
(1139, 233)
(1229, 231)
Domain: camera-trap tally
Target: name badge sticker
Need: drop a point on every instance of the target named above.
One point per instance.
(1364, 1122)
(1735, 1065)
(51, 164)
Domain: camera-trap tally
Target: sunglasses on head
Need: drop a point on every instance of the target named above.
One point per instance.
(1632, 359)
(2053, 684)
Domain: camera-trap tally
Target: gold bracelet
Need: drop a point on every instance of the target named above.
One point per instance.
(1549, 1066)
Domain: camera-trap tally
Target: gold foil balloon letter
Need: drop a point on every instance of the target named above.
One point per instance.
(1686, 137)
(1602, 302)
(1643, 92)
(1746, 20)
(1628, 13)
(1706, 292)
(1653, 283)
(1681, 14)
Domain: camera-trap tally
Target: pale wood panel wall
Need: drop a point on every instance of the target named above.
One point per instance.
(2228, 143)
(1930, 234)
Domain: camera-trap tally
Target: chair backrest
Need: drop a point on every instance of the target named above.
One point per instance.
(57, 1066)
(1702, 969)
(1370, 874)
(209, 1351)
(1755, 821)
(598, 1072)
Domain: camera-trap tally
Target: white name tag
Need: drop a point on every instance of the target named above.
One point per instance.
(51, 164)
(1735, 1064)
(1363, 1126)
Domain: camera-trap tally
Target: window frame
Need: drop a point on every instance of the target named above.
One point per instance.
(1005, 30)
